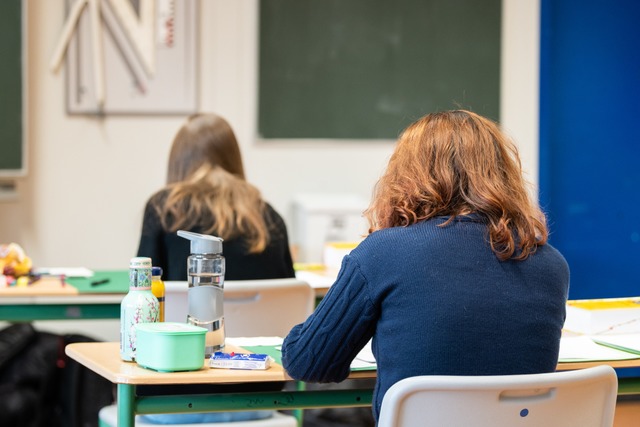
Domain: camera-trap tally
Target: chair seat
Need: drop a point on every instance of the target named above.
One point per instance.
(108, 417)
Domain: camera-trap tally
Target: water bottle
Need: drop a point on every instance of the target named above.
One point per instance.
(138, 306)
(205, 276)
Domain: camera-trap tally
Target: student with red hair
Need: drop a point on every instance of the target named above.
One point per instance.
(456, 276)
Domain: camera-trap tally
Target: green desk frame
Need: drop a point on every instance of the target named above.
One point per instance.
(130, 404)
(67, 311)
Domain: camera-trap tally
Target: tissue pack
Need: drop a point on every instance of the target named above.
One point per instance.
(239, 360)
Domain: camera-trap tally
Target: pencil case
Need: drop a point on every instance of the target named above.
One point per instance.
(239, 360)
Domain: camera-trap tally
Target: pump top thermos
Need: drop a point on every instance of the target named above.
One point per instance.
(205, 275)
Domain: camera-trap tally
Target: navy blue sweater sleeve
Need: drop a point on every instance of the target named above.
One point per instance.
(321, 349)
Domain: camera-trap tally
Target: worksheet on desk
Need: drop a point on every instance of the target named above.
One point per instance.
(624, 342)
(583, 348)
(364, 359)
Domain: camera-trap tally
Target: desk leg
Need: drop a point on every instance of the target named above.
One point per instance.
(299, 413)
(126, 403)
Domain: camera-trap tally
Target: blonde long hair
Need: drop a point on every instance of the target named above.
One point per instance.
(453, 163)
(206, 186)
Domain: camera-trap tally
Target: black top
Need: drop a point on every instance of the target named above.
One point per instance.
(169, 251)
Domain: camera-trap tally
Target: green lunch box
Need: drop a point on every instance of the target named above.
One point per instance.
(170, 346)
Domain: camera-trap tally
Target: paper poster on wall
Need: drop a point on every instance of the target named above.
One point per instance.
(130, 56)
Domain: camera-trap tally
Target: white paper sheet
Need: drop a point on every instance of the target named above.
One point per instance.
(365, 358)
(67, 271)
(625, 342)
(583, 348)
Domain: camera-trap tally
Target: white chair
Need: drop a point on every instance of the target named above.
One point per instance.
(271, 307)
(580, 398)
(252, 308)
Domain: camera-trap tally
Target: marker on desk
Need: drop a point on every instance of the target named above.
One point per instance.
(99, 282)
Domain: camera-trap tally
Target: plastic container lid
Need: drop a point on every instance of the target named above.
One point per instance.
(170, 328)
(156, 271)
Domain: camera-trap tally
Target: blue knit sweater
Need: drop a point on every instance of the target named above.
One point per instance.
(437, 301)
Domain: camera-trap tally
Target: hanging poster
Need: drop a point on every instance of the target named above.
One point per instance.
(130, 57)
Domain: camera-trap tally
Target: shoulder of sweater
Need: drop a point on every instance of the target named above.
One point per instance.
(552, 251)
(395, 239)
(399, 232)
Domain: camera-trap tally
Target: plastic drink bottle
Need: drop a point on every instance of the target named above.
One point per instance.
(205, 276)
(138, 306)
(157, 287)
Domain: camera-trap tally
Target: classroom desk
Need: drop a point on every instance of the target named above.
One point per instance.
(628, 385)
(90, 302)
(104, 359)
(97, 302)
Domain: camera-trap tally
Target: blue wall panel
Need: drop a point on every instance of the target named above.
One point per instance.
(590, 141)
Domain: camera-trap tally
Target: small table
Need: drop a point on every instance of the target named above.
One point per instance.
(104, 359)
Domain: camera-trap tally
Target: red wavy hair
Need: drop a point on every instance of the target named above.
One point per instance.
(454, 163)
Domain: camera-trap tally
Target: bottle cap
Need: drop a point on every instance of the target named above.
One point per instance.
(140, 262)
(202, 243)
(156, 271)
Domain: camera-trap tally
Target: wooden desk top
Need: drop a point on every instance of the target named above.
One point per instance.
(42, 287)
(104, 359)
(568, 366)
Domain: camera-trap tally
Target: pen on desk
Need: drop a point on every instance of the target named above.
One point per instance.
(99, 282)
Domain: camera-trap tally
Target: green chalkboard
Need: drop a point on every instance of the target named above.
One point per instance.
(11, 148)
(364, 69)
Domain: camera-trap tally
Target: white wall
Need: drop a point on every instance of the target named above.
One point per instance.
(82, 200)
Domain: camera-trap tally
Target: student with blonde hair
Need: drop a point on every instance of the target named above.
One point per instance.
(456, 276)
(206, 192)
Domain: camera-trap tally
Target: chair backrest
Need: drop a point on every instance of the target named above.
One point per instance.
(269, 307)
(580, 398)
